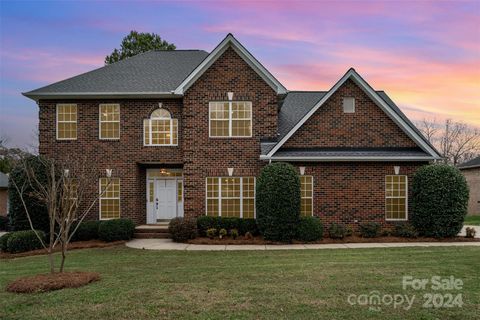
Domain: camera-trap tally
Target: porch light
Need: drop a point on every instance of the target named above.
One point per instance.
(230, 172)
(397, 169)
(109, 172)
(230, 96)
(302, 171)
(66, 173)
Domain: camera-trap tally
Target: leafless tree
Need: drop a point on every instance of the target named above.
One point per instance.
(66, 195)
(457, 141)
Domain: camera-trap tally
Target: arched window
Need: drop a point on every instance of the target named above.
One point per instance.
(160, 129)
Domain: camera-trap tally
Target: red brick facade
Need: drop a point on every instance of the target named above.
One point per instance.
(343, 192)
(368, 126)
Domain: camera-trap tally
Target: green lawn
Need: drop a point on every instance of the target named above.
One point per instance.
(472, 220)
(299, 284)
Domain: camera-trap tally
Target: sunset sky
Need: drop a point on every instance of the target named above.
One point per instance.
(424, 54)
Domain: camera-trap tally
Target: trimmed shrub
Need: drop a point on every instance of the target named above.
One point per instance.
(3, 223)
(38, 211)
(22, 241)
(369, 229)
(4, 240)
(116, 230)
(336, 231)
(348, 231)
(278, 201)
(470, 232)
(405, 230)
(234, 234)
(439, 201)
(211, 233)
(88, 230)
(309, 229)
(222, 233)
(242, 225)
(182, 229)
(248, 236)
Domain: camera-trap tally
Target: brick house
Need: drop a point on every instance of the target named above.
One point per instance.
(186, 132)
(471, 171)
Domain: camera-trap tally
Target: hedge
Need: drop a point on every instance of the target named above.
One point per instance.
(88, 230)
(439, 201)
(309, 229)
(182, 229)
(4, 240)
(116, 229)
(3, 223)
(278, 201)
(336, 231)
(242, 225)
(22, 241)
(38, 211)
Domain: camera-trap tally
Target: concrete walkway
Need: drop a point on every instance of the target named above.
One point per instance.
(168, 244)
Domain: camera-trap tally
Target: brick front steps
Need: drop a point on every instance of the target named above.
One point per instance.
(152, 231)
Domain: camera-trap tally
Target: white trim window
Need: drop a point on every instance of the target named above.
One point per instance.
(66, 121)
(396, 198)
(109, 207)
(306, 191)
(348, 105)
(109, 118)
(230, 119)
(160, 129)
(230, 197)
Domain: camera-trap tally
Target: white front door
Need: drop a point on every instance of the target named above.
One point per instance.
(166, 198)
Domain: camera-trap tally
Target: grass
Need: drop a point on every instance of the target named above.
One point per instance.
(472, 220)
(297, 284)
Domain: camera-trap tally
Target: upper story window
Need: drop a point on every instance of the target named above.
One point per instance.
(230, 119)
(348, 105)
(160, 129)
(109, 121)
(66, 122)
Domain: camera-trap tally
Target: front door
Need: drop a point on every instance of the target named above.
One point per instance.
(166, 198)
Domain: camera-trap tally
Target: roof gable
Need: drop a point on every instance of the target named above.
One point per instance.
(393, 112)
(226, 43)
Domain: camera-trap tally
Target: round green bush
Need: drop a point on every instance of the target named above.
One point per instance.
(116, 230)
(439, 201)
(22, 241)
(4, 241)
(370, 229)
(38, 211)
(278, 202)
(309, 229)
(182, 229)
(337, 231)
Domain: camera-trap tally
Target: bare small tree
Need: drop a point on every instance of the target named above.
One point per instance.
(66, 196)
(457, 141)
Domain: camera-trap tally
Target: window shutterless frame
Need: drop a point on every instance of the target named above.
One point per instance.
(220, 197)
(173, 128)
(397, 197)
(304, 183)
(230, 119)
(57, 106)
(109, 198)
(100, 121)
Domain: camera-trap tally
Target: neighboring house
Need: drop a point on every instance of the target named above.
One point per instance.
(471, 171)
(3, 194)
(186, 132)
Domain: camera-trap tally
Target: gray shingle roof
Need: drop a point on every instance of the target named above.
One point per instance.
(474, 163)
(297, 104)
(3, 180)
(149, 72)
(351, 152)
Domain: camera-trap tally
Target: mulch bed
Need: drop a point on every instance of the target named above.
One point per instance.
(352, 239)
(50, 282)
(72, 246)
